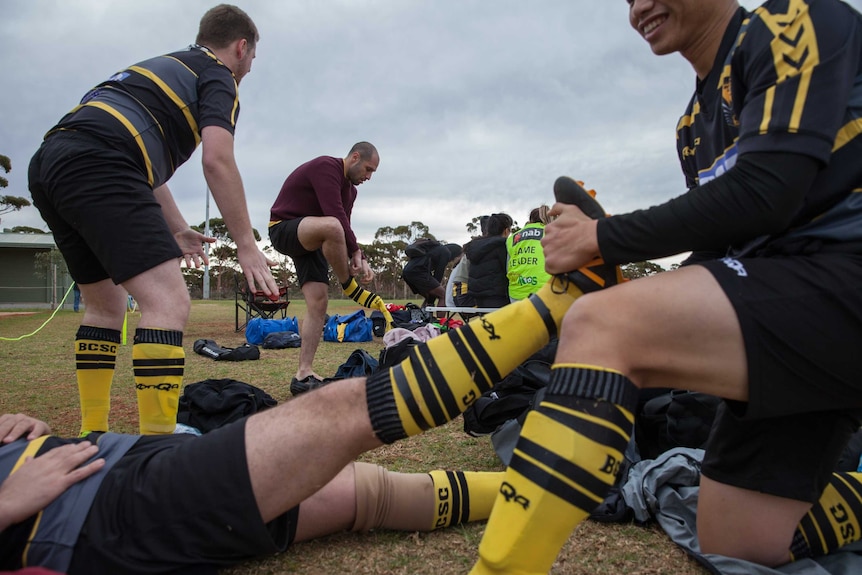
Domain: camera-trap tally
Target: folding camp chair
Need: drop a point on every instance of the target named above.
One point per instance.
(252, 304)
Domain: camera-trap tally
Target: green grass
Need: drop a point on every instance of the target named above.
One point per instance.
(37, 377)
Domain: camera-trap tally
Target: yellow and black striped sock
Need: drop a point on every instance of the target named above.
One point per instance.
(442, 377)
(565, 462)
(421, 501)
(158, 359)
(95, 360)
(367, 299)
(832, 522)
(463, 496)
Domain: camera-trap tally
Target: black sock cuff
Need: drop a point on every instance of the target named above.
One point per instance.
(347, 283)
(382, 410)
(799, 548)
(162, 336)
(98, 334)
(590, 383)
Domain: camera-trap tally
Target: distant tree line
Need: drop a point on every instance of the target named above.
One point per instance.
(385, 255)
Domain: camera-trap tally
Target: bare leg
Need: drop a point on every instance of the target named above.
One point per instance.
(332, 509)
(96, 346)
(297, 448)
(316, 299)
(162, 296)
(327, 235)
(741, 523)
(106, 305)
(675, 329)
(157, 354)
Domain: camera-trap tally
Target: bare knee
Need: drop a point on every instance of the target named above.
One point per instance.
(592, 333)
(167, 310)
(316, 296)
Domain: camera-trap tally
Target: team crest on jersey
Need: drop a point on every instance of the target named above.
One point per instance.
(119, 77)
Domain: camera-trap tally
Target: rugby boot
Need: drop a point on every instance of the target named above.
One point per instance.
(597, 274)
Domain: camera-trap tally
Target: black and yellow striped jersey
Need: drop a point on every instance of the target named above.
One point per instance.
(788, 78)
(157, 108)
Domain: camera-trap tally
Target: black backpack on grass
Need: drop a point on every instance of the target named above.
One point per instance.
(212, 403)
(395, 354)
(513, 396)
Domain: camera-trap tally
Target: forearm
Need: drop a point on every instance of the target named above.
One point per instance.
(175, 219)
(229, 195)
(759, 196)
(225, 183)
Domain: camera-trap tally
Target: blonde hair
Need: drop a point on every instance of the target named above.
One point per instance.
(540, 215)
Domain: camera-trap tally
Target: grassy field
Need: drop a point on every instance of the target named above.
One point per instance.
(37, 377)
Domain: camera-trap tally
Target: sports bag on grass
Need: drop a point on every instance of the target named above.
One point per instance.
(395, 354)
(354, 327)
(282, 340)
(258, 328)
(359, 364)
(209, 348)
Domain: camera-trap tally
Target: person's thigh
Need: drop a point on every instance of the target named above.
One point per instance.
(108, 222)
(285, 238)
(179, 500)
(675, 329)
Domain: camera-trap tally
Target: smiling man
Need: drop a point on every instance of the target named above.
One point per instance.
(766, 313)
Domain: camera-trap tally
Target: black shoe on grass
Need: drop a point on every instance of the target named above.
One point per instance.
(307, 383)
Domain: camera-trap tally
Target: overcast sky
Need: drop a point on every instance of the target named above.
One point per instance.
(475, 106)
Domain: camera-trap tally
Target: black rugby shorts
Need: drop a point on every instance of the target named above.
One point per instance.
(311, 266)
(801, 321)
(104, 216)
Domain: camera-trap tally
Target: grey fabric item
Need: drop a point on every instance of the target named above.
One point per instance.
(666, 489)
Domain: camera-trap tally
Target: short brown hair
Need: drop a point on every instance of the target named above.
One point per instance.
(365, 150)
(224, 24)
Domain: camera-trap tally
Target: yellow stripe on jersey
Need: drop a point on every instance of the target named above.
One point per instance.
(768, 99)
(687, 121)
(178, 102)
(131, 128)
(29, 451)
(235, 103)
(847, 133)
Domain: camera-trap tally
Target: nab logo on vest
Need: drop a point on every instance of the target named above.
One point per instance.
(528, 234)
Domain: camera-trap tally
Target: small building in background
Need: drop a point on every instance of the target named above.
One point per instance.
(23, 281)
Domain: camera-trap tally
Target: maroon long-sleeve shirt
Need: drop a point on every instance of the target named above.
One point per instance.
(318, 188)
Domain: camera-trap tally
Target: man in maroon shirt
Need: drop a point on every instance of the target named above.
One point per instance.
(310, 222)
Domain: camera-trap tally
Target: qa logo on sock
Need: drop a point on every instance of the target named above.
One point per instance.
(511, 494)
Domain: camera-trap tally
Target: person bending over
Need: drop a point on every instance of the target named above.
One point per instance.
(99, 181)
(424, 274)
(310, 222)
